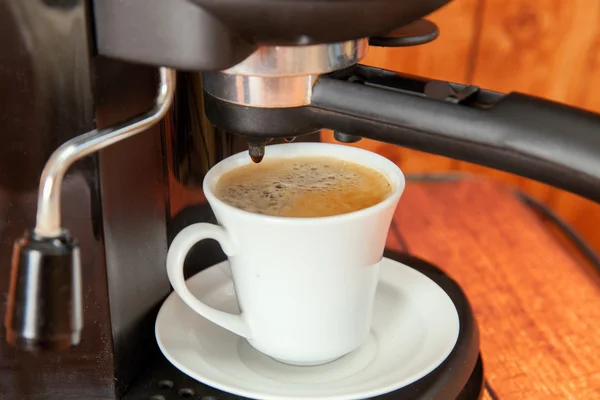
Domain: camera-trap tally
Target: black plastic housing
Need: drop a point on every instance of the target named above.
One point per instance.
(205, 35)
(294, 22)
(173, 33)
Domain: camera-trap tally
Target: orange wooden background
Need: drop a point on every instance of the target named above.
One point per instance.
(547, 48)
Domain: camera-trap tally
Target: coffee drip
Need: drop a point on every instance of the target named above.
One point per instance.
(256, 147)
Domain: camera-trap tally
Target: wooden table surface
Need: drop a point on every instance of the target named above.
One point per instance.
(536, 302)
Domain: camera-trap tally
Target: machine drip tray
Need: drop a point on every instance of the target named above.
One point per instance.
(459, 377)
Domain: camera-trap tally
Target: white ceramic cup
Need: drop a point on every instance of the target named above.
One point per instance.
(305, 286)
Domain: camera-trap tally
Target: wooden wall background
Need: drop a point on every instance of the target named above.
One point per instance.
(547, 48)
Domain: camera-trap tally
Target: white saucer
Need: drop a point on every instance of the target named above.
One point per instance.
(415, 327)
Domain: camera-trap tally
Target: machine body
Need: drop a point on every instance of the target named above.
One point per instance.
(85, 74)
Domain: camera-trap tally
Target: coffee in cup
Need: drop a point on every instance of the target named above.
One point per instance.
(303, 187)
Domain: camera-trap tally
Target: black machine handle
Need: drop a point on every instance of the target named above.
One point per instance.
(525, 135)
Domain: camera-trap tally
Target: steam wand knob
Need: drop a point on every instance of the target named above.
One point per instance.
(45, 304)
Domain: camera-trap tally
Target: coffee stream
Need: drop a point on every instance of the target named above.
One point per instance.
(302, 187)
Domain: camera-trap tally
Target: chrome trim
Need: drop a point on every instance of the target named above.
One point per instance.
(282, 76)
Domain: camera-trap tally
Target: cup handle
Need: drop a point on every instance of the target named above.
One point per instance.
(178, 251)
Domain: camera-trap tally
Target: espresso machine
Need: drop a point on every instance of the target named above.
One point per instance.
(113, 111)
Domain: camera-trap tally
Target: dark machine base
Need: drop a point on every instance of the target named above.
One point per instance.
(459, 377)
